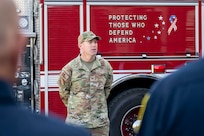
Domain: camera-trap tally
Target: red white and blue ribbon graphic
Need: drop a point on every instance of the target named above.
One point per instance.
(173, 20)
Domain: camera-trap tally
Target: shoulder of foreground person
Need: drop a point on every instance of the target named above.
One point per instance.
(20, 122)
(190, 73)
(174, 96)
(58, 127)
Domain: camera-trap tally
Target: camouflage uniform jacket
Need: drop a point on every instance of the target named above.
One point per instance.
(84, 92)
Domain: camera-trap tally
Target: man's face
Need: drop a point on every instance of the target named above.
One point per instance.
(11, 41)
(90, 48)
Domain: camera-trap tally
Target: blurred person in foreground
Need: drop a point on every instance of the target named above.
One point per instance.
(84, 86)
(175, 106)
(15, 120)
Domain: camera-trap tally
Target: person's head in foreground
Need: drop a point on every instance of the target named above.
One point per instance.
(11, 41)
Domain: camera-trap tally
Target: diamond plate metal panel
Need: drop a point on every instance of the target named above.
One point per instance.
(25, 11)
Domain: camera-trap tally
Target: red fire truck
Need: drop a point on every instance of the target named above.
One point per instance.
(144, 41)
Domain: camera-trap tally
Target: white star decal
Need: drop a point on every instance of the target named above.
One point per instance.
(156, 25)
(160, 17)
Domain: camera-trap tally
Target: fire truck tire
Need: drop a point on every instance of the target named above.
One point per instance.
(121, 107)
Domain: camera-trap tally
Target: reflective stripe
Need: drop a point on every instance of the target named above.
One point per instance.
(141, 111)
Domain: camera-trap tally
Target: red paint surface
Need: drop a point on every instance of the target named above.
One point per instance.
(63, 31)
(177, 43)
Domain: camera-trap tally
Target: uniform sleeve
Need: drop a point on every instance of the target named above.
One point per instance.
(64, 83)
(109, 81)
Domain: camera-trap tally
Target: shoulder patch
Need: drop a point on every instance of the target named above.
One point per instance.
(65, 76)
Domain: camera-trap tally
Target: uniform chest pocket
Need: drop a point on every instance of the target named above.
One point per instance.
(79, 82)
(98, 80)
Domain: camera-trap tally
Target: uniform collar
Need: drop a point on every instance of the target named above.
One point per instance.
(96, 63)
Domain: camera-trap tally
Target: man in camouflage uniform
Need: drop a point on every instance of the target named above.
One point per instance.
(84, 86)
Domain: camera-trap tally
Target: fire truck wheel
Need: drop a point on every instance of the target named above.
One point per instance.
(123, 111)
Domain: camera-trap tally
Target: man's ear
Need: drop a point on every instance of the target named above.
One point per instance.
(79, 45)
